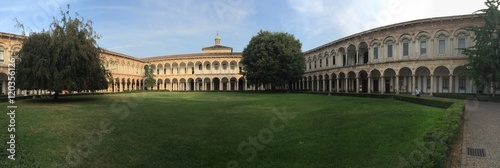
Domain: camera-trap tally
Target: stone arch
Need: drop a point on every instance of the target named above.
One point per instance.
(461, 33)
(233, 83)
(190, 69)
(198, 67)
(167, 69)
(217, 84)
(216, 65)
(363, 81)
(175, 84)
(182, 68)
(190, 83)
(342, 54)
(175, 68)
(159, 68)
(389, 80)
(363, 55)
(182, 84)
(442, 76)
(351, 55)
(441, 34)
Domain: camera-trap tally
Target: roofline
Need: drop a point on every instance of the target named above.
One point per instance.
(12, 35)
(187, 56)
(402, 24)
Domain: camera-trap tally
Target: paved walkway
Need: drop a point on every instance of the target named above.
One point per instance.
(481, 131)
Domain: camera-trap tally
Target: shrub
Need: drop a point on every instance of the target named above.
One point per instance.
(437, 142)
(422, 101)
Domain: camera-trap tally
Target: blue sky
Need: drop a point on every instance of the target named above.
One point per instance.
(145, 28)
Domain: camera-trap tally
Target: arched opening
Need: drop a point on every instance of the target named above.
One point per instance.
(183, 85)
(423, 79)
(342, 83)
(233, 82)
(363, 53)
(405, 80)
(389, 80)
(216, 82)
(225, 82)
(442, 80)
(363, 85)
(241, 84)
(351, 55)
(375, 84)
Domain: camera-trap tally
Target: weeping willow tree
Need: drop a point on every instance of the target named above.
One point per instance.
(484, 56)
(64, 57)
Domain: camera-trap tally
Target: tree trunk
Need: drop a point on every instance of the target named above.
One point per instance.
(56, 95)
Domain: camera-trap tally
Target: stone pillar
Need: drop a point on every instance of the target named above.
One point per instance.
(212, 86)
(450, 84)
(413, 84)
(323, 83)
(337, 86)
(317, 85)
(346, 85)
(397, 84)
(4, 87)
(330, 85)
(369, 84)
(382, 84)
(357, 84)
(432, 84)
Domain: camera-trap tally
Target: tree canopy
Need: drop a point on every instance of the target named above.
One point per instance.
(273, 57)
(149, 76)
(484, 56)
(66, 57)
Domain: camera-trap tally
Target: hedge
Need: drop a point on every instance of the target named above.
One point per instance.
(437, 143)
(422, 101)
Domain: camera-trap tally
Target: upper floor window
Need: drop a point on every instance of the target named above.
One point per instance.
(208, 67)
(333, 60)
(405, 49)
(375, 53)
(423, 47)
(309, 65)
(315, 64)
(326, 61)
(442, 46)
(389, 50)
(461, 43)
(320, 62)
(200, 67)
(1, 55)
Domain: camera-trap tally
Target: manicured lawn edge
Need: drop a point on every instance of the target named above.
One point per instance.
(468, 96)
(437, 143)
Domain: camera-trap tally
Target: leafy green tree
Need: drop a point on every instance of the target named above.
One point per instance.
(66, 57)
(273, 57)
(149, 75)
(484, 56)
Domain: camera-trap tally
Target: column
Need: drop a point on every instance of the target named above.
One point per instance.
(450, 84)
(237, 87)
(4, 87)
(337, 86)
(357, 84)
(397, 84)
(432, 84)
(356, 58)
(369, 84)
(381, 85)
(324, 86)
(317, 85)
(330, 85)
(346, 84)
(211, 85)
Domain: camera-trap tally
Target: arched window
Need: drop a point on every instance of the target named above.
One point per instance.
(200, 67)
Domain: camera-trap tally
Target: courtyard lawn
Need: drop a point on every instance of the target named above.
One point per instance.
(203, 129)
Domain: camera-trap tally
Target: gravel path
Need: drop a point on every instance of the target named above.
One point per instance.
(481, 131)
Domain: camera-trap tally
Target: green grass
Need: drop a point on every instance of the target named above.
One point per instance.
(206, 129)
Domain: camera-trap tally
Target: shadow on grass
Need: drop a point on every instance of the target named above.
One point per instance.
(66, 99)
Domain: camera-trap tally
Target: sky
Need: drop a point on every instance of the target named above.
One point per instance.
(146, 28)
